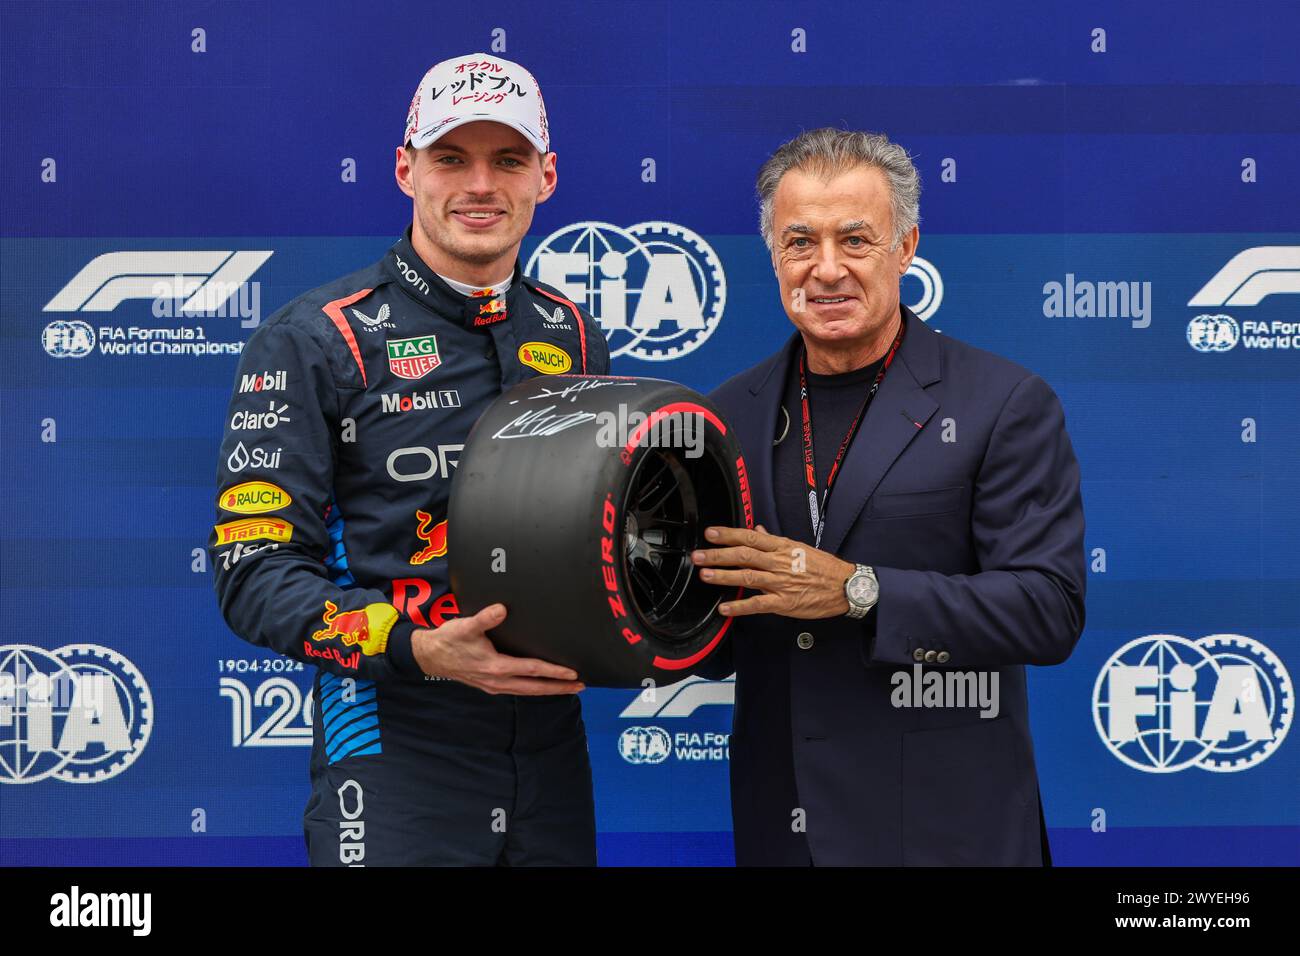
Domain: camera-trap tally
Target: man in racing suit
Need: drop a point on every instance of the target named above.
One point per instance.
(351, 406)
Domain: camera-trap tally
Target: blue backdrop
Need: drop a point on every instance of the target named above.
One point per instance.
(1093, 173)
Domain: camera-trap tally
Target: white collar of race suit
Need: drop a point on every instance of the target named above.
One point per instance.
(466, 289)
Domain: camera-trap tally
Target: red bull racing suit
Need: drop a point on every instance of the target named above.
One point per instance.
(350, 408)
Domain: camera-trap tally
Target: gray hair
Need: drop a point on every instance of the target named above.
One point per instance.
(829, 152)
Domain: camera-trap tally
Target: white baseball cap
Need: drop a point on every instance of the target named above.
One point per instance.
(473, 88)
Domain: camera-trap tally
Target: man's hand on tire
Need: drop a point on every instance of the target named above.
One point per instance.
(462, 651)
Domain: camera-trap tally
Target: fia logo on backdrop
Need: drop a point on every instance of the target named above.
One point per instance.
(656, 288)
(1163, 703)
(80, 713)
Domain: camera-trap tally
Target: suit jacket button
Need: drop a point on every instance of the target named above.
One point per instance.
(918, 655)
(930, 656)
(804, 640)
(943, 657)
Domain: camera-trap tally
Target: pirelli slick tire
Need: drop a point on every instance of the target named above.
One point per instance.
(577, 502)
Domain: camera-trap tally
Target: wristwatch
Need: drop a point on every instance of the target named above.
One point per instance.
(863, 590)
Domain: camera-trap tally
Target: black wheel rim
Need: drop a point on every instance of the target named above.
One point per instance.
(671, 500)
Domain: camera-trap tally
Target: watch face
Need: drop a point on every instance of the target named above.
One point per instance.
(862, 590)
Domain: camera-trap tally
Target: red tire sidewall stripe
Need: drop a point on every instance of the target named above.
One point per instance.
(741, 478)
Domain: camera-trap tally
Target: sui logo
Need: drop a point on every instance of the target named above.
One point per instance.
(657, 289)
(1163, 703)
(80, 713)
(644, 745)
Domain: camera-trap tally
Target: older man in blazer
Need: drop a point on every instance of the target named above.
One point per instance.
(920, 540)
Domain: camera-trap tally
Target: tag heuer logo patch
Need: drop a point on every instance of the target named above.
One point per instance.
(413, 358)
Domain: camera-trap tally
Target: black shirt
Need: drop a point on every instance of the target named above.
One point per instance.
(834, 400)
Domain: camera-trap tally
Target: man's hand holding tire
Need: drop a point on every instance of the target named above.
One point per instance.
(462, 651)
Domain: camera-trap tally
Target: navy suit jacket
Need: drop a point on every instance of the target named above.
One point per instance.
(961, 490)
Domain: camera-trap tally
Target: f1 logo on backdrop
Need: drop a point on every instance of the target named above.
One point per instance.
(681, 699)
(1246, 280)
(205, 280)
(1163, 703)
(1251, 276)
(80, 713)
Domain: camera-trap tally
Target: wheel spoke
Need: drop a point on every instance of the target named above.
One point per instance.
(656, 588)
(665, 490)
(648, 483)
(664, 549)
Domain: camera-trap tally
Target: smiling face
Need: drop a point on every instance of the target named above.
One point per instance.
(838, 276)
(474, 191)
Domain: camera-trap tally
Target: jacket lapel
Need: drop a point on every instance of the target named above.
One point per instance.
(898, 413)
(767, 388)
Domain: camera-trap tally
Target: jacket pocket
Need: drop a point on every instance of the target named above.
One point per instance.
(914, 504)
(967, 799)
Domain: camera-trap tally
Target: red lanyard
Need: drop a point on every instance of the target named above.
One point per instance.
(816, 510)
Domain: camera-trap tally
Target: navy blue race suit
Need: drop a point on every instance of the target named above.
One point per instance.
(350, 408)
